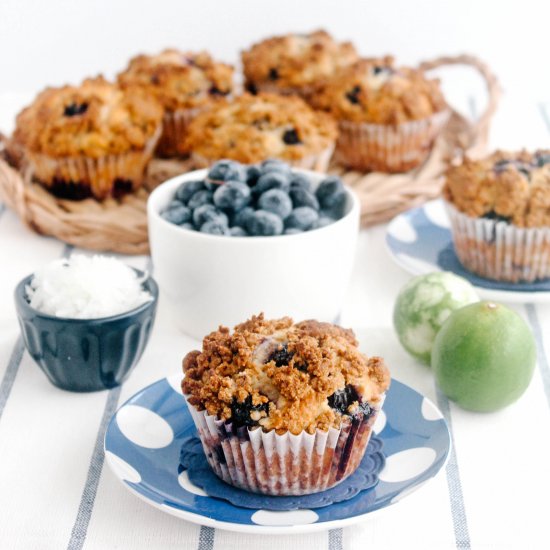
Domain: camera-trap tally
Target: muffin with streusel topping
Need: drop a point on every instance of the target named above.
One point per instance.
(89, 140)
(388, 117)
(185, 83)
(253, 128)
(294, 63)
(499, 209)
(283, 408)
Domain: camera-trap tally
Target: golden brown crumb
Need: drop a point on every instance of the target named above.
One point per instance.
(514, 187)
(283, 376)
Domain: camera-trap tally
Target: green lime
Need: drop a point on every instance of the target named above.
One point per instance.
(484, 356)
(424, 304)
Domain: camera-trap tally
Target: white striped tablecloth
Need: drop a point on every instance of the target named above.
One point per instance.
(55, 491)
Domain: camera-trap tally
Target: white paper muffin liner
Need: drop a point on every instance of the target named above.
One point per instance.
(287, 464)
(318, 162)
(499, 250)
(98, 174)
(174, 129)
(388, 148)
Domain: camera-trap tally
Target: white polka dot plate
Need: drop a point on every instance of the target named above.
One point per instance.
(143, 443)
(420, 241)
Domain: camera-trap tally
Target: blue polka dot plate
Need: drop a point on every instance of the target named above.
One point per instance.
(144, 438)
(420, 241)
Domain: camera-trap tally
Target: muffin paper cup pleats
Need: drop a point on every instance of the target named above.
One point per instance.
(499, 250)
(100, 176)
(318, 162)
(388, 148)
(174, 128)
(287, 464)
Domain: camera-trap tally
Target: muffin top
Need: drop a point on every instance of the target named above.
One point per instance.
(284, 376)
(252, 128)
(180, 80)
(375, 91)
(93, 119)
(512, 187)
(295, 60)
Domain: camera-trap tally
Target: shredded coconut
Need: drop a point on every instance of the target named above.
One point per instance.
(86, 288)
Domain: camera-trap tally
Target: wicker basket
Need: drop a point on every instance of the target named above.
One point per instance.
(121, 226)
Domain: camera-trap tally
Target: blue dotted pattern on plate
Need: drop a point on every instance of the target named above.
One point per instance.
(405, 428)
(201, 474)
(434, 245)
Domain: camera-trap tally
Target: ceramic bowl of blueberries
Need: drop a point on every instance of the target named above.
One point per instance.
(85, 355)
(234, 240)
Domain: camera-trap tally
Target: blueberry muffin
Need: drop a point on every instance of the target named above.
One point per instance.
(294, 63)
(500, 215)
(89, 140)
(283, 408)
(185, 83)
(388, 117)
(252, 128)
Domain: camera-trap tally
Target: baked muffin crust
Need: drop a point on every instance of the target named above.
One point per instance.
(284, 376)
(375, 91)
(252, 128)
(179, 80)
(295, 60)
(94, 119)
(509, 186)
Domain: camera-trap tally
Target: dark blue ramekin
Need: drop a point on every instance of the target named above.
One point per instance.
(85, 355)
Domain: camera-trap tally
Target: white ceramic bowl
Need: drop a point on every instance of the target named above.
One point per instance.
(211, 280)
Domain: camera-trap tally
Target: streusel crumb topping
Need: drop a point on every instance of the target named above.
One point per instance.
(284, 376)
(508, 186)
(375, 91)
(252, 128)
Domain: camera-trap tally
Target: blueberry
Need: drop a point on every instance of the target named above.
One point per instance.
(332, 196)
(301, 197)
(253, 172)
(340, 400)
(353, 95)
(214, 90)
(275, 165)
(186, 190)
(199, 198)
(301, 218)
(492, 215)
(264, 224)
(240, 411)
(225, 170)
(176, 213)
(232, 195)
(206, 213)
(292, 231)
(300, 181)
(276, 201)
(237, 231)
(74, 109)
(291, 137)
(323, 221)
(281, 356)
(542, 158)
(272, 180)
(273, 74)
(240, 219)
(215, 227)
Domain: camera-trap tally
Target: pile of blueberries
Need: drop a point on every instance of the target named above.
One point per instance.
(256, 200)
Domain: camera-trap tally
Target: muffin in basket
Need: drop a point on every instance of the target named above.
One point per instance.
(294, 63)
(185, 83)
(499, 209)
(283, 408)
(253, 128)
(89, 140)
(388, 117)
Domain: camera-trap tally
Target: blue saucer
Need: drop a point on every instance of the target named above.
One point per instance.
(144, 438)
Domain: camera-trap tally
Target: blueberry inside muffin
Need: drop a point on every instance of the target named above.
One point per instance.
(282, 376)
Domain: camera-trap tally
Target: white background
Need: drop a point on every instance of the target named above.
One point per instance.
(58, 41)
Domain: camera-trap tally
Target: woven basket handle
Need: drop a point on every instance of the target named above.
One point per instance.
(481, 125)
